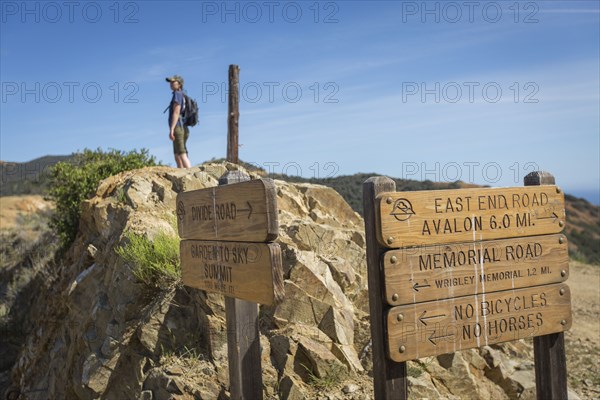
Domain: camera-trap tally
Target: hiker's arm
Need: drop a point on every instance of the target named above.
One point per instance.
(174, 119)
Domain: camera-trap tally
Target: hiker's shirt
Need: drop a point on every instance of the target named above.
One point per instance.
(177, 99)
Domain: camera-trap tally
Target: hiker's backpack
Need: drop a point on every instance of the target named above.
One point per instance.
(190, 111)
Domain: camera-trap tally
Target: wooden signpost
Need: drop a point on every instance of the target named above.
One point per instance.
(451, 216)
(467, 268)
(439, 327)
(441, 272)
(548, 350)
(233, 114)
(389, 377)
(242, 212)
(225, 250)
(249, 271)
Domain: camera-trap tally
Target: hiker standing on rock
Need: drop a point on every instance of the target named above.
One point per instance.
(178, 132)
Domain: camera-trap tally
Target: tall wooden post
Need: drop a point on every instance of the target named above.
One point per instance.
(389, 377)
(243, 337)
(548, 350)
(233, 114)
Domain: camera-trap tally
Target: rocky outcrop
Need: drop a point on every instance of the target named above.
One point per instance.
(102, 334)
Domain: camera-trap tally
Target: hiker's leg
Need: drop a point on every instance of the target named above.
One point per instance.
(185, 161)
(178, 160)
(179, 148)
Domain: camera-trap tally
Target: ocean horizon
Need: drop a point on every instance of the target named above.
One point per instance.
(591, 195)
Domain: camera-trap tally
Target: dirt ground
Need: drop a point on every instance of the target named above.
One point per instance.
(14, 210)
(582, 341)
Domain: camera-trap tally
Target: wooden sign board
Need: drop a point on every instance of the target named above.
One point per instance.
(419, 274)
(447, 326)
(244, 212)
(248, 271)
(407, 219)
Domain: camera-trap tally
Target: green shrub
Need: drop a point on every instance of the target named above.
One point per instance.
(333, 377)
(414, 370)
(76, 180)
(155, 263)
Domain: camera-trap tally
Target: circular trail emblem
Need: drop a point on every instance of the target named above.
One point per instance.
(180, 211)
(402, 210)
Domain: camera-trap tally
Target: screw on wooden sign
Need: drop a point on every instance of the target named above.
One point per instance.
(245, 212)
(446, 326)
(406, 219)
(414, 275)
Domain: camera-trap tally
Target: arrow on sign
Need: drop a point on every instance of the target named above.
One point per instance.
(424, 319)
(249, 209)
(554, 217)
(416, 286)
(433, 337)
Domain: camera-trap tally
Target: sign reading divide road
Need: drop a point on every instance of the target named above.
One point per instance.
(407, 219)
(245, 211)
(418, 274)
(446, 326)
(248, 271)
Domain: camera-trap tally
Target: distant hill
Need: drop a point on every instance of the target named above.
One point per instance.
(27, 178)
(583, 218)
(583, 229)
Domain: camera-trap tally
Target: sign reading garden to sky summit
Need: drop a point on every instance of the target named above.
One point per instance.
(248, 271)
(244, 211)
(450, 216)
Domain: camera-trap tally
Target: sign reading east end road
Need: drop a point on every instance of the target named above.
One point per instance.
(414, 275)
(408, 219)
(247, 271)
(447, 326)
(245, 211)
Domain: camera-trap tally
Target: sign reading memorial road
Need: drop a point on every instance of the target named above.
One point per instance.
(244, 211)
(446, 326)
(436, 272)
(406, 219)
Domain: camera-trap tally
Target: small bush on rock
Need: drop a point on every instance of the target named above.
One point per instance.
(76, 180)
(155, 263)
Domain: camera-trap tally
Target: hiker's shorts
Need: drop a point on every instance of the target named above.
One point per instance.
(181, 137)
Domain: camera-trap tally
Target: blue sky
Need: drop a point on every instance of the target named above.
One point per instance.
(481, 91)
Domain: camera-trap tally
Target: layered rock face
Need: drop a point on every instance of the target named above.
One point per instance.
(101, 334)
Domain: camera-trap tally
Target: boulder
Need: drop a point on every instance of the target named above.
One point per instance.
(321, 361)
(290, 389)
(338, 324)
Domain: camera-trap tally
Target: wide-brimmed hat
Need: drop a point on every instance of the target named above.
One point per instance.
(175, 78)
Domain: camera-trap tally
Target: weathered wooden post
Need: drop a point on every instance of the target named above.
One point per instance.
(549, 350)
(243, 336)
(389, 377)
(233, 114)
(228, 249)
